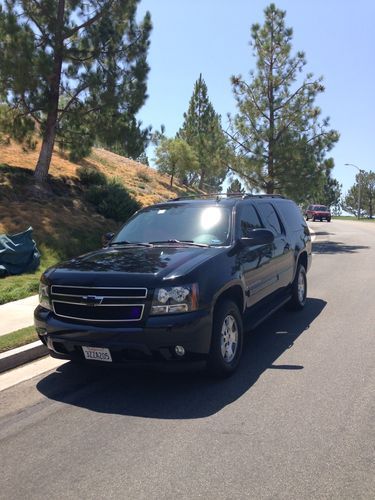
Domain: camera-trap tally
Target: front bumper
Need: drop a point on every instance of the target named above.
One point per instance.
(154, 343)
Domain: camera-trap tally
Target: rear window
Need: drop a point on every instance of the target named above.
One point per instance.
(320, 208)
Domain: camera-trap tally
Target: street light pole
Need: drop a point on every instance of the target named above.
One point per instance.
(359, 187)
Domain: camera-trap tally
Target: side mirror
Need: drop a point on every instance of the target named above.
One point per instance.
(258, 237)
(106, 238)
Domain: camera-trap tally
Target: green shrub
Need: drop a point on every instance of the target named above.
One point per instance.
(112, 200)
(90, 176)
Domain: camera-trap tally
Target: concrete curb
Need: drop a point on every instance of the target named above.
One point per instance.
(21, 355)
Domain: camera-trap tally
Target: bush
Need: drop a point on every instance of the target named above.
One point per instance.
(144, 175)
(112, 200)
(90, 176)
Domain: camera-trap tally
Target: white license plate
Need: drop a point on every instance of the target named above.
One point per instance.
(97, 353)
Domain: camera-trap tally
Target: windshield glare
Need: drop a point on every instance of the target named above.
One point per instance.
(202, 224)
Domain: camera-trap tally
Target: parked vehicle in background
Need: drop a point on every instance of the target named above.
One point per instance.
(180, 282)
(318, 212)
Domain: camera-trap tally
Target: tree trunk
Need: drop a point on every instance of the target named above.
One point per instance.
(45, 155)
(271, 137)
(202, 179)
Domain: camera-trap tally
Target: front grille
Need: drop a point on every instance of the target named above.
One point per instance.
(110, 292)
(102, 304)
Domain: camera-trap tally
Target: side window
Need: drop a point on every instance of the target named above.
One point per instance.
(292, 215)
(269, 217)
(247, 220)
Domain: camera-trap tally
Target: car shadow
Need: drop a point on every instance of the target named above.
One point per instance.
(335, 247)
(323, 233)
(186, 395)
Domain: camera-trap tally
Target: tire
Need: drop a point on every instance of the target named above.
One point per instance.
(328, 220)
(314, 218)
(226, 341)
(321, 220)
(307, 217)
(299, 290)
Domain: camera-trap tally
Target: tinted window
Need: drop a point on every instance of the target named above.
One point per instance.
(247, 220)
(269, 217)
(185, 222)
(291, 214)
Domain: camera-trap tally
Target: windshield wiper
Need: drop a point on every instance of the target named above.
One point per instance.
(181, 242)
(132, 243)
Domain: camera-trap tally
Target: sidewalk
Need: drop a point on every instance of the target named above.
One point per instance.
(18, 314)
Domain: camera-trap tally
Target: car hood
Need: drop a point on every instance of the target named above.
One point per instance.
(134, 264)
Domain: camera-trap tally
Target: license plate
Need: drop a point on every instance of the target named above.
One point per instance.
(97, 353)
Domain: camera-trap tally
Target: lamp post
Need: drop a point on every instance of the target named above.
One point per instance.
(359, 187)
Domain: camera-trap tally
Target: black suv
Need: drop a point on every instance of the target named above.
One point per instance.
(179, 282)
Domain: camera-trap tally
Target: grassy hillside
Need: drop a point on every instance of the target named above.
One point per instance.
(64, 223)
(144, 183)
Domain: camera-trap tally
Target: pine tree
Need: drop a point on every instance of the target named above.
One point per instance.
(277, 131)
(367, 195)
(75, 70)
(203, 132)
(331, 189)
(235, 187)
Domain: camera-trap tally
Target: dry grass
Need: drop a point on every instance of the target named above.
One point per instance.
(144, 183)
(64, 223)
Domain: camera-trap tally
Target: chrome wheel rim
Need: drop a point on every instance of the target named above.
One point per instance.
(229, 338)
(301, 288)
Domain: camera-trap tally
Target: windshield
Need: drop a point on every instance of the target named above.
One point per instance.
(322, 208)
(201, 224)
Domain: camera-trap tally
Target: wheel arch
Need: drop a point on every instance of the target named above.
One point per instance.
(302, 259)
(235, 293)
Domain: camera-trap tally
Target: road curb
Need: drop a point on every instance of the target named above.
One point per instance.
(21, 355)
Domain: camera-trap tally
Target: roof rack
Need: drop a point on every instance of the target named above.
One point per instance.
(220, 196)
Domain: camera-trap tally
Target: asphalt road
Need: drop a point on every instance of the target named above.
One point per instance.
(297, 421)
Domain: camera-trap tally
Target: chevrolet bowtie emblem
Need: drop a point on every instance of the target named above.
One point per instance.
(92, 300)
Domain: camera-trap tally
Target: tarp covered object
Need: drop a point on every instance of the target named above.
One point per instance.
(18, 253)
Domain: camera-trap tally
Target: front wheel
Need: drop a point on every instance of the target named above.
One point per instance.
(299, 290)
(227, 339)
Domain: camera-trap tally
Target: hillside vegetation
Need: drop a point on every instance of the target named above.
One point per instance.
(64, 223)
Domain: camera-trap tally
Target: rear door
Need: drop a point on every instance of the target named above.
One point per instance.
(281, 268)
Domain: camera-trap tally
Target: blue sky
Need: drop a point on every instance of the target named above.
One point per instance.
(212, 37)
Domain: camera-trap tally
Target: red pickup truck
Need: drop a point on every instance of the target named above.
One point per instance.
(318, 212)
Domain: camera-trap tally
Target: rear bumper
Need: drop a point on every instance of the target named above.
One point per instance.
(318, 215)
(152, 344)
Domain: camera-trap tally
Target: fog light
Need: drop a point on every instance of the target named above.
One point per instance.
(179, 350)
(41, 331)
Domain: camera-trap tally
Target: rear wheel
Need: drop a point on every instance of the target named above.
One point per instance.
(314, 218)
(299, 290)
(227, 339)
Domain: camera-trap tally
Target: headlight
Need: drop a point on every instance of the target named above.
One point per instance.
(44, 299)
(175, 299)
